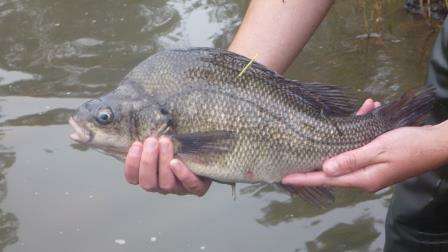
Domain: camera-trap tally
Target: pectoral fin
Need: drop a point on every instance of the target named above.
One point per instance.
(200, 145)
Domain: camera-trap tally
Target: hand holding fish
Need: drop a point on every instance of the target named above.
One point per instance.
(151, 165)
(391, 158)
(253, 128)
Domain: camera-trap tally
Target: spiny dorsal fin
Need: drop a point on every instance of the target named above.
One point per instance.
(330, 99)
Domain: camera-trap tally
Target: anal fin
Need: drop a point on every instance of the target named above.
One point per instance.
(321, 197)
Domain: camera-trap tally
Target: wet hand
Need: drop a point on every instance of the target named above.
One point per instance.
(391, 158)
(152, 166)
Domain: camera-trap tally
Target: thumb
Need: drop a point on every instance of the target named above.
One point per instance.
(351, 161)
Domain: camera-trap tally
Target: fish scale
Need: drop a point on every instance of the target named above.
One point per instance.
(264, 130)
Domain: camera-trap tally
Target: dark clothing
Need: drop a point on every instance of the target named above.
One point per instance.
(417, 219)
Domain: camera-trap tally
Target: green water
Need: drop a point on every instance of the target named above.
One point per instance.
(56, 196)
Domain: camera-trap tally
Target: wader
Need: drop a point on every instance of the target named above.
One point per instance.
(417, 219)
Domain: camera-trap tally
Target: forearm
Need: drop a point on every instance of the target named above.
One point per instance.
(277, 30)
(442, 136)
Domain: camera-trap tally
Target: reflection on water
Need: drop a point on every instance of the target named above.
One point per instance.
(96, 48)
(218, 21)
(295, 208)
(9, 77)
(54, 55)
(9, 223)
(335, 238)
(7, 157)
(51, 117)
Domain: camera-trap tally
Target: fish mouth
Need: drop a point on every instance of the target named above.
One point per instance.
(81, 135)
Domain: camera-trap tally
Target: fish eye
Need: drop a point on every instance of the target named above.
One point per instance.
(105, 116)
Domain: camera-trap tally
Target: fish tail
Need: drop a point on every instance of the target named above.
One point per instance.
(411, 109)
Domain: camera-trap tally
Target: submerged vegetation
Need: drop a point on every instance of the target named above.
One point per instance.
(379, 16)
(374, 12)
(435, 9)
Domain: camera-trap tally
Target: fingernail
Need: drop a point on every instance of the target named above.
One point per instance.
(287, 181)
(133, 181)
(331, 168)
(135, 149)
(151, 143)
(174, 164)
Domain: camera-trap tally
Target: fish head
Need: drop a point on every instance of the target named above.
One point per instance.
(113, 122)
(98, 123)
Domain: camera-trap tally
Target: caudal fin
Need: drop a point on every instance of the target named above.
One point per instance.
(410, 109)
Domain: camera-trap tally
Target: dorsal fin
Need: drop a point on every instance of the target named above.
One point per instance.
(327, 99)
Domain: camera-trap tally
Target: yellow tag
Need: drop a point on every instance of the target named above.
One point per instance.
(248, 65)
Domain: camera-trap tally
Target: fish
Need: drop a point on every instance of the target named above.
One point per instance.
(234, 126)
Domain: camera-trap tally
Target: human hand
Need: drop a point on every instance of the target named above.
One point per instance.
(152, 166)
(390, 158)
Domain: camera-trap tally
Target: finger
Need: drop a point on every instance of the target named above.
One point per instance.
(366, 107)
(189, 180)
(353, 160)
(148, 165)
(132, 163)
(167, 181)
(377, 104)
(307, 179)
(370, 179)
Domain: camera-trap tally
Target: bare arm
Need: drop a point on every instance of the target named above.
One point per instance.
(277, 31)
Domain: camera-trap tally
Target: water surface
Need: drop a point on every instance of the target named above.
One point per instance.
(57, 196)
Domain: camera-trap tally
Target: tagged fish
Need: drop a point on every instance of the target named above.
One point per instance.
(252, 127)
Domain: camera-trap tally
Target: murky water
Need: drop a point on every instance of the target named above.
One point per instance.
(58, 197)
